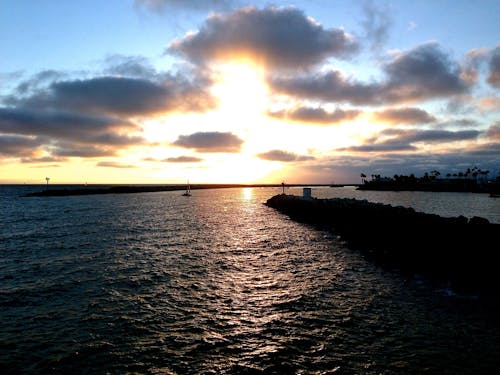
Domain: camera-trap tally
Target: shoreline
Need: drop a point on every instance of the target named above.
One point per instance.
(456, 252)
(430, 188)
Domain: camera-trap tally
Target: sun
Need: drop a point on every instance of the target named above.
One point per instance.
(241, 89)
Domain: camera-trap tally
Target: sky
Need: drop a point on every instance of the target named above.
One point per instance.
(220, 91)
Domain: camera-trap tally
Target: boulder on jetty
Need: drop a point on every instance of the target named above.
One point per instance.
(462, 253)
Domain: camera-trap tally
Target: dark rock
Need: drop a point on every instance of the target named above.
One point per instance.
(450, 250)
(476, 220)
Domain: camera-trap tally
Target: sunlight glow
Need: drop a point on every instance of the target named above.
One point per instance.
(241, 89)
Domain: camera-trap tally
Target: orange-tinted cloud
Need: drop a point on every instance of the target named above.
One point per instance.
(404, 116)
(283, 156)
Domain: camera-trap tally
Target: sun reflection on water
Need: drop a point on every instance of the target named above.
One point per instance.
(247, 193)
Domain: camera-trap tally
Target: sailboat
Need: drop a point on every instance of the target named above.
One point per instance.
(187, 193)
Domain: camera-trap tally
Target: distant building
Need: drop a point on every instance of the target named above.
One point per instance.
(307, 193)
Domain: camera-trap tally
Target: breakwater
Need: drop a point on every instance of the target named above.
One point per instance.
(458, 252)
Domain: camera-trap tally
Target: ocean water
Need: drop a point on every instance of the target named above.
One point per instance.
(218, 283)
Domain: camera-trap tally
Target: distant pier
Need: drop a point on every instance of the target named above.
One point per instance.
(130, 189)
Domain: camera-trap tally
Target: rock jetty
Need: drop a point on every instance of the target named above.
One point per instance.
(458, 252)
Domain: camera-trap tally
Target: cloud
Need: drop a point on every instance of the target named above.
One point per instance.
(210, 142)
(401, 140)
(412, 25)
(56, 126)
(494, 74)
(422, 73)
(183, 159)
(112, 164)
(316, 115)
(15, 145)
(120, 96)
(283, 156)
(279, 37)
(193, 5)
(461, 123)
(130, 66)
(404, 116)
(383, 146)
(65, 149)
(473, 59)
(493, 132)
(376, 24)
(489, 152)
(64, 134)
(42, 159)
(38, 81)
(490, 103)
(430, 136)
(92, 117)
(328, 87)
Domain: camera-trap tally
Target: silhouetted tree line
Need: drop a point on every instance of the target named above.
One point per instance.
(472, 179)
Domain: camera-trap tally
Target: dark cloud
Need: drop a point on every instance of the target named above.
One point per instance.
(183, 159)
(38, 81)
(494, 74)
(429, 136)
(195, 5)
(494, 131)
(328, 87)
(210, 142)
(284, 156)
(489, 151)
(404, 116)
(120, 96)
(64, 149)
(15, 145)
(90, 117)
(401, 140)
(422, 73)
(278, 37)
(73, 127)
(112, 164)
(316, 115)
(383, 146)
(376, 24)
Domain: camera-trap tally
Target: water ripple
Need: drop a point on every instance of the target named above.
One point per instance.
(215, 284)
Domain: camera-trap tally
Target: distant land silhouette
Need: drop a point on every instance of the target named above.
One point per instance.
(472, 180)
(128, 189)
